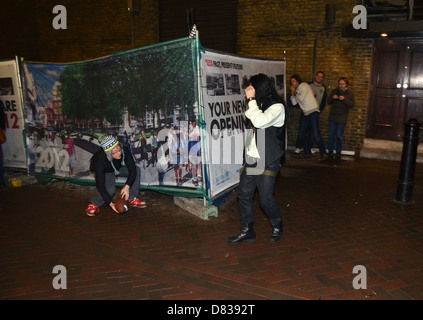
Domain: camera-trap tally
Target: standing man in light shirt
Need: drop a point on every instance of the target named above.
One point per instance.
(319, 89)
(302, 95)
(266, 112)
(320, 93)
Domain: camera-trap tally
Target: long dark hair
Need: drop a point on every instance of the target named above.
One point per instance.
(266, 94)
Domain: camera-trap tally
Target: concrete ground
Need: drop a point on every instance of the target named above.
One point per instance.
(337, 215)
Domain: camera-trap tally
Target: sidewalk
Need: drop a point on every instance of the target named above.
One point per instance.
(336, 216)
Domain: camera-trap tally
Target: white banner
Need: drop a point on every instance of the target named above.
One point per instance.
(10, 100)
(224, 79)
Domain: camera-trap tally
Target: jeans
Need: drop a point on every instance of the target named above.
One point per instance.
(111, 186)
(309, 136)
(336, 129)
(312, 120)
(266, 186)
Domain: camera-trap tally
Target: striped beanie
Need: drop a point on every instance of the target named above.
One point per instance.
(109, 143)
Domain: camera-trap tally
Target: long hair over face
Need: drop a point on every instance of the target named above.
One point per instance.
(266, 93)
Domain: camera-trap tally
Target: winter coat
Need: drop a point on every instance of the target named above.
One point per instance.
(340, 108)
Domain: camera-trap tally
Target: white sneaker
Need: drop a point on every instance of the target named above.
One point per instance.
(298, 150)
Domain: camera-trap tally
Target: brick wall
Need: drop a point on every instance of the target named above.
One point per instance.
(268, 28)
(94, 29)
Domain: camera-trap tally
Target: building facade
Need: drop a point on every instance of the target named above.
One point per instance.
(311, 35)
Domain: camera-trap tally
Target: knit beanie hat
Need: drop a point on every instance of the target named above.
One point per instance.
(108, 143)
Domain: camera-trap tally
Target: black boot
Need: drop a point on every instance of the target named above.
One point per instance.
(276, 233)
(247, 235)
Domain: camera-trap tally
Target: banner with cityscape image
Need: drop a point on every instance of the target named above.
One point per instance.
(179, 135)
(146, 97)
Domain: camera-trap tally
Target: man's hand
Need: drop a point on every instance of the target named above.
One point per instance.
(112, 205)
(250, 92)
(125, 192)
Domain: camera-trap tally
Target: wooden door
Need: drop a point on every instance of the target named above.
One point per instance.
(396, 88)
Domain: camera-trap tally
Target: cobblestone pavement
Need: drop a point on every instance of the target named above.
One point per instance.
(336, 215)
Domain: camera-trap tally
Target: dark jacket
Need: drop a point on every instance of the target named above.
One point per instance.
(103, 166)
(275, 144)
(340, 108)
(271, 143)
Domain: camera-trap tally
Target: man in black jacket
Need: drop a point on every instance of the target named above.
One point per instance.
(263, 157)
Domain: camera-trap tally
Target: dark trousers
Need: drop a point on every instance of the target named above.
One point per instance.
(312, 120)
(265, 185)
(111, 186)
(336, 129)
(309, 136)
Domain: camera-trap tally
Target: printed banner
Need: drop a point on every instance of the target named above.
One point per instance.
(224, 79)
(146, 97)
(10, 100)
(149, 99)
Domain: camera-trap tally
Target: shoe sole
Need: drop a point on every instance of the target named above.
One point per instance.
(135, 206)
(246, 240)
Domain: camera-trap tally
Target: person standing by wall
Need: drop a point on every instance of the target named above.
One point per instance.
(319, 89)
(2, 127)
(266, 112)
(320, 93)
(341, 100)
(302, 95)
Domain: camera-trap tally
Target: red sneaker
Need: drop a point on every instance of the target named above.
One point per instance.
(137, 203)
(92, 210)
